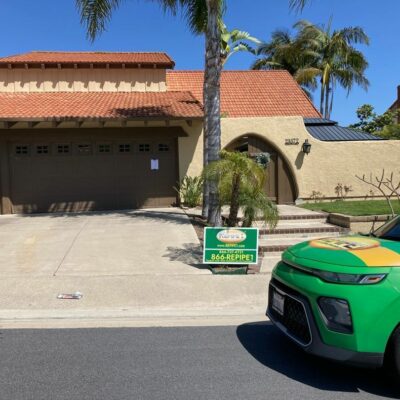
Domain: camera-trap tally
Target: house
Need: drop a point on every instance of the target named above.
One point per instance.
(97, 131)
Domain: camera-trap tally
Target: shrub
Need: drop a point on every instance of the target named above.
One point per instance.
(190, 190)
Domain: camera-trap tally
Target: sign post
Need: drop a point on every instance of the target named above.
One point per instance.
(230, 246)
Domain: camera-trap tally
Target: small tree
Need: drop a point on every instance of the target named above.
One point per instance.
(240, 181)
(379, 124)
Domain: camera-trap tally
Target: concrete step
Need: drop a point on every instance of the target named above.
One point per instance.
(295, 229)
(276, 244)
(294, 217)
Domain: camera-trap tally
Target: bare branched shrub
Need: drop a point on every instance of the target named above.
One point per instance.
(385, 185)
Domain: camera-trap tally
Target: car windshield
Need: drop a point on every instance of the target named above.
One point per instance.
(390, 230)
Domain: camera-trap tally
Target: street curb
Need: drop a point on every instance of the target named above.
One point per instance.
(23, 319)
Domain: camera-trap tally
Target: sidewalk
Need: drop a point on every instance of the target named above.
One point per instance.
(141, 300)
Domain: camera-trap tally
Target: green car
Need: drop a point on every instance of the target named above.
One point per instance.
(339, 298)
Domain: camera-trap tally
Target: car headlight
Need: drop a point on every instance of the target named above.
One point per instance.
(358, 279)
(336, 314)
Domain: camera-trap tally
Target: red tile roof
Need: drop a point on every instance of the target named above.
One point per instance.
(250, 93)
(63, 57)
(102, 105)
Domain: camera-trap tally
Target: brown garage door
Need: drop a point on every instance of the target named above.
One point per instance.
(81, 173)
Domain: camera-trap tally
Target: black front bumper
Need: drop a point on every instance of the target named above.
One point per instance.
(299, 325)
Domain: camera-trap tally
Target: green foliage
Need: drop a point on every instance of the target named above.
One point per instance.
(96, 14)
(190, 190)
(317, 55)
(235, 41)
(391, 132)
(241, 184)
(371, 122)
(256, 205)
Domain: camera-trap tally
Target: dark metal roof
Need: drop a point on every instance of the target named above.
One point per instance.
(329, 131)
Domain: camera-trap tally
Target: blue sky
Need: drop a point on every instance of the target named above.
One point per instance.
(140, 25)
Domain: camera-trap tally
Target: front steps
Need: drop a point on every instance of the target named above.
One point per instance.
(296, 227)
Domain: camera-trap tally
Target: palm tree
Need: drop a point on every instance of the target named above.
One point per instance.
(202, 16)
(240, 181)
(338, 62)
(318, 55)
(285, 51)
(235, 41)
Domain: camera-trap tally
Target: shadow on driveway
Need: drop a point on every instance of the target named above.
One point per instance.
(189, 253)
(269, 347)
(162, 215)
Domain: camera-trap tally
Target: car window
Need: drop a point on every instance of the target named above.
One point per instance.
(390, 230)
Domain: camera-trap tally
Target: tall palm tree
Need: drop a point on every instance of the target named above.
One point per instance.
(201, 16)
(286, 51)
(338, 62)
(318, 55)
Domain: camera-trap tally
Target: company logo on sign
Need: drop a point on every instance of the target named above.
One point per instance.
(231, 236)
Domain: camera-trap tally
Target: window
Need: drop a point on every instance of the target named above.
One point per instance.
(124, 148)
(144, 147)
(84, 149)
(163, 147)
(104, 148)
(21, 150)
(42, 149)
(63, 149)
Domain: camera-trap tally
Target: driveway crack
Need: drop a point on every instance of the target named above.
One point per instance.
(71, 246)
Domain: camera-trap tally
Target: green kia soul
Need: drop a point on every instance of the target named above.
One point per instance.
(339, 298)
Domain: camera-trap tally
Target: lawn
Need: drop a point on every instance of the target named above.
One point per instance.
(365, 207)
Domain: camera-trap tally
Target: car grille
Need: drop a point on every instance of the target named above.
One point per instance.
(294, 317)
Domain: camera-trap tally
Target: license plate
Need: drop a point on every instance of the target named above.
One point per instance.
(278, 302)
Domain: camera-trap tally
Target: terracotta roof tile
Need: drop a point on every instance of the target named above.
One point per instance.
(250, 93)
(103, 105)
(61, 57)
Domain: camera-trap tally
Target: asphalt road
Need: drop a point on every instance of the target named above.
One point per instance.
(246, 362)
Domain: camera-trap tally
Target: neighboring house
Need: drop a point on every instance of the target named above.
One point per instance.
(396, 105)
(98, 131)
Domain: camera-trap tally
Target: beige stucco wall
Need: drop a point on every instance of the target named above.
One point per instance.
(82, 80)
(328, 164)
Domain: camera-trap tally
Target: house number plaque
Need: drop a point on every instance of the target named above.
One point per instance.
(292, 142)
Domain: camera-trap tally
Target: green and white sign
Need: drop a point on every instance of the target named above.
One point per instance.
(230, 246)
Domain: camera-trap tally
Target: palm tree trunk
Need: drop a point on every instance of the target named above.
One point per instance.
(234, 206)
(327, 95)
(321, 104)
(212, 122)
(206, 188)
(331, 101)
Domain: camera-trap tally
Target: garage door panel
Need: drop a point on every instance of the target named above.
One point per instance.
(69, 179)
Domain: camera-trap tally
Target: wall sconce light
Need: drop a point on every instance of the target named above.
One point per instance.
(306, 147)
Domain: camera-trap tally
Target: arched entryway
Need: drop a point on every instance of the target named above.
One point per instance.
(280, 185)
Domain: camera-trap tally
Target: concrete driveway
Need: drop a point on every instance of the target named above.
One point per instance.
(139, 242)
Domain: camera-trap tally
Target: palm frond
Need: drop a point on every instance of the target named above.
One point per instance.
(95, 14)
(297, 5)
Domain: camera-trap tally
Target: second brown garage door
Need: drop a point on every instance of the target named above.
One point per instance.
(91, 172)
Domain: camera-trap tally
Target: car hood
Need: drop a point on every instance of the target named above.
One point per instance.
(348, 251)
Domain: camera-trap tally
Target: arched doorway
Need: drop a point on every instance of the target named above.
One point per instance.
(280, 185)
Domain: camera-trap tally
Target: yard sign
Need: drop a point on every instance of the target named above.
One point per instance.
(230, 246)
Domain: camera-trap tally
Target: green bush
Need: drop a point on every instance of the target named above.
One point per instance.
(190, 190)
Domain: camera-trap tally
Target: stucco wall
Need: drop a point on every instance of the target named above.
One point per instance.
(82, 80)
(328, 164)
